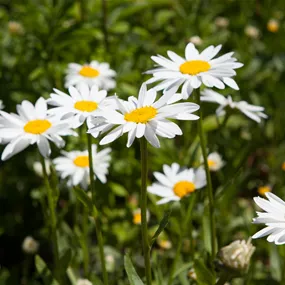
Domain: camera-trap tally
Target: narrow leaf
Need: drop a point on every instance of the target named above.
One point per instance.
(64, 261)
(131, 272)
(163, 223)
(83, 198)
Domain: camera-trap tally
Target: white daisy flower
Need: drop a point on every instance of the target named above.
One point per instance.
(74, 165)
(273, 218)
(175, 183)
(215, 161)
(91, 73)
(31, 125)
(137, 216)
(253, 112)
(193, 70)
(82, 103)
(143, 117)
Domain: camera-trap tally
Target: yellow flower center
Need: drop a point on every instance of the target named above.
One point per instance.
(194, 67)
(182, 188)
(141, 115)
(211, 163)
(263, 189)
(137, 218)
(86, 106)
(273, 26)
(81, 161)
(88, 71)
(37, 127)
(283, 166)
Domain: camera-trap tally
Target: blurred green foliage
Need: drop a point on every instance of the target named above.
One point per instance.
(39, 38)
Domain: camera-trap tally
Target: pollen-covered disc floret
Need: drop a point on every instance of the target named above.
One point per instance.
(195, 69)
(176, 183)
(251, 111)
(143, 116)
(82, 103)
(91, 73)
(74, 166)
(273, 217)
(31, 125)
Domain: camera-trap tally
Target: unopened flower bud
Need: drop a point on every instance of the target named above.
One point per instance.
(251, 32)
(30, 245)
(222, 22)
(236, 255)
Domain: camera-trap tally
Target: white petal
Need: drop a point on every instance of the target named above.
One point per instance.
(231, 83)
(43, 146)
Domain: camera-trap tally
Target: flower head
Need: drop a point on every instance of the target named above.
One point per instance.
(143, 117)
(82, 103)
(74, 165)
(264, 189)
(273, 26)
(174, 183)
(31, 125)
(273, 218)
(91, 73)
(237, 255)
(215, 161)
(137, 217)
(193, 70)
(30, 245)
(253, 112)
(251, 32)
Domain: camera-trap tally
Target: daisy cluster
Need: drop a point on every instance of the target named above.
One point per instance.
(150, 115)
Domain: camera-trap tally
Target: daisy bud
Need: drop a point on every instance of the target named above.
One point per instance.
(196, 40)
(83, 282)
(251, 32)
(222, 22)
(236, 255)
(15, 28)
(30, 245)
(192, 274)
(273, 26)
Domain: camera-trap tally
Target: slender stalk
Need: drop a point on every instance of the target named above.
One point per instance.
(52, 216)
(96, 218)
(85, 242)
(104, 22)
(209, 181)
(186, 221)
(143, 204)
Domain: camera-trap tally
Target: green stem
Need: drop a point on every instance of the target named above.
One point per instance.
(52, 216)
(143, 204)
(186, 221)
(104, 22)
(209, 181)
(85, 242)
(95, 212)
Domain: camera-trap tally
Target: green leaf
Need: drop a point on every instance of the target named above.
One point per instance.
(118, 189)
(131, 272)
(64, 261)
(204, 275)
(44, 271)
(163, 223)
(83, 198)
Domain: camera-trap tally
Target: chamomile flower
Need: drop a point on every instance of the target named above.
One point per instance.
(273, 218)
(193, 70)
(143, 117)
(251, 111)
(31, 125)
(74, 165)
(215, 161)
(137, 217)
(82, 103)
(91, 73)
(176, 183)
